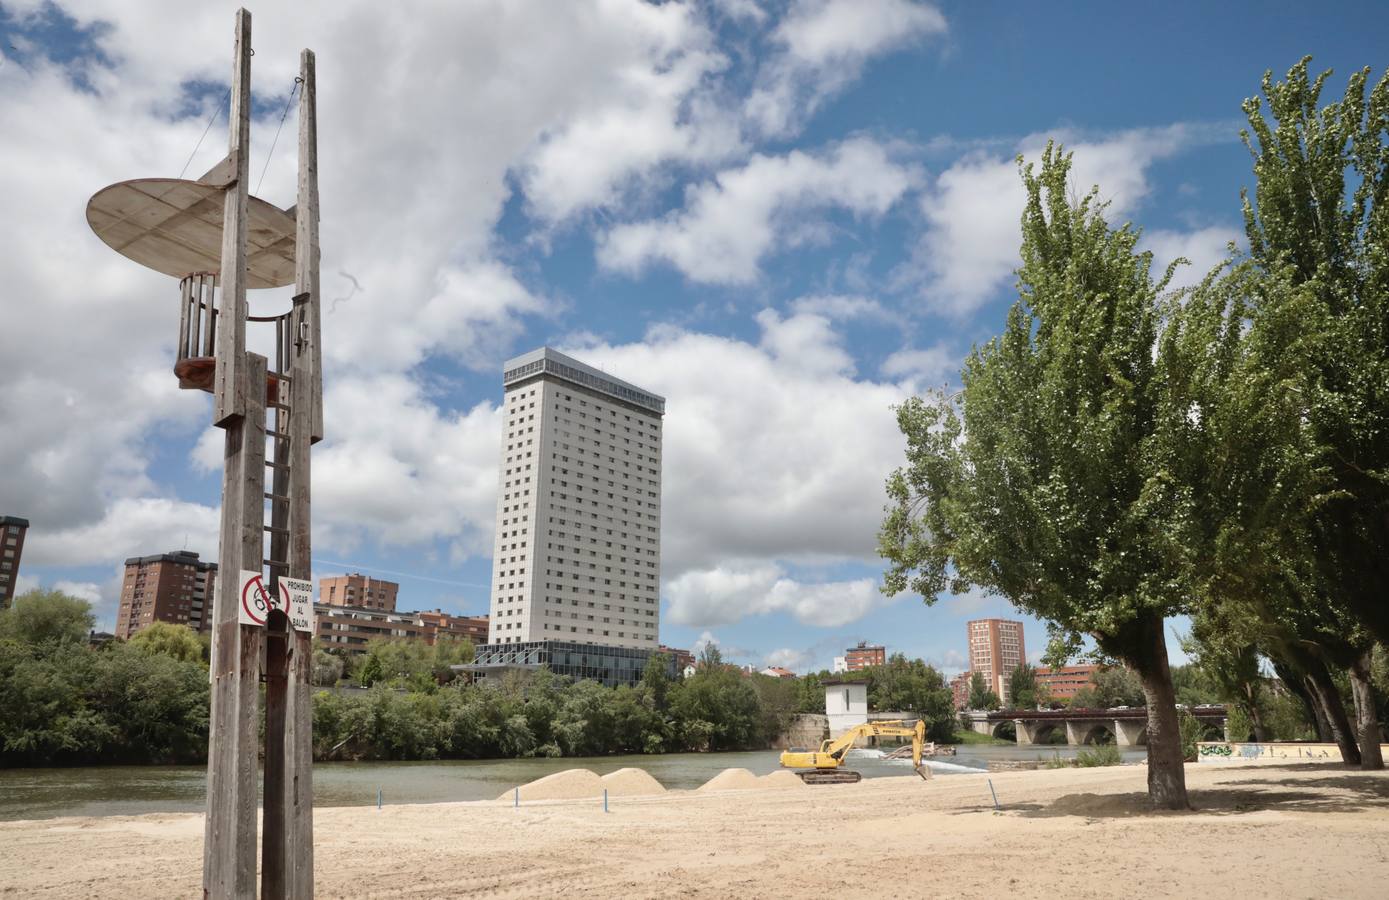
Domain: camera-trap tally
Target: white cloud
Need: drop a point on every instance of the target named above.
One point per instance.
(130, 526)
(82, 590)
(788, 658)
(973, 210)
(823, 46)
(933, 366)
(729, 593)
(841, 307)
(730, 223)
(1205, 248)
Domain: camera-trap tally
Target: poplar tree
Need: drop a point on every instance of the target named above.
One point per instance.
(1049, 485)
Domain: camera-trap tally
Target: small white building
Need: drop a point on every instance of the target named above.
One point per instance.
(689, 671)
(841, 664)
(846, 705)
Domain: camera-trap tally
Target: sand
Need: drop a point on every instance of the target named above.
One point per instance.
(1308, 830)
(580, 784)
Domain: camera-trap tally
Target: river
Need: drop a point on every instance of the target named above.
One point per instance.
(133, 790)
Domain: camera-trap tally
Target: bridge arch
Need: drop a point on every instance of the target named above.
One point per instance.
(1006, 730)
(1049, 733)
(1094, 733)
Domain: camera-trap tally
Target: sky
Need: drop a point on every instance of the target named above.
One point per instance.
(784, 217)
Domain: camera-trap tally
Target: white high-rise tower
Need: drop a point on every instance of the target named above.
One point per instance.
(577, 554)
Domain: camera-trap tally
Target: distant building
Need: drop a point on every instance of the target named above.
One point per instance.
(684, 659)
(959, 689)
(778, 672)
(996, 648)
(439, 625)
(846, 704)
(12, 532)
(689, 671)
(840, 665)
(355, 589)
(173, 587)
(864, 655)
(1065, 682)
(350, 628)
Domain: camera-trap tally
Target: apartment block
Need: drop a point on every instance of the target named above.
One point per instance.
(996, 648)
(350, 628)
(959, 690)
(356, 589)
(12, 532)
(864, 655)
(439, 625)
(577, 555)
(171, 587)
(1064, 682)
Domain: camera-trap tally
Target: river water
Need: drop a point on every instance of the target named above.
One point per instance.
(133, 790)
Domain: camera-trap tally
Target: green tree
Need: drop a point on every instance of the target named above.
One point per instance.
(178, 641)
(39, 616)
(915, 689)
(1026, 692)
(981, 696)
(326, 668)
(1049, 487)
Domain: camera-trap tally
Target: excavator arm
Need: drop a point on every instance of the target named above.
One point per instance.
(823, 765)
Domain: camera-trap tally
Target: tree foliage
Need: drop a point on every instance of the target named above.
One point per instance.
(1051, 487)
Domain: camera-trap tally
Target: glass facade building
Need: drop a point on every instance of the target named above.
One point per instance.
(609, 665)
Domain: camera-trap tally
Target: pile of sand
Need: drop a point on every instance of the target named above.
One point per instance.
(743, 780)
(582, 784)
(631, 783)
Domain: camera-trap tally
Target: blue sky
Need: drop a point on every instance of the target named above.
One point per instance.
(785, 217)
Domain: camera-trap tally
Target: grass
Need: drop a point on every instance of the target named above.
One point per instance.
(1088, 758)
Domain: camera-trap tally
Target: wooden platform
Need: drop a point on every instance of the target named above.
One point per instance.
(175, 227)
(197, 373)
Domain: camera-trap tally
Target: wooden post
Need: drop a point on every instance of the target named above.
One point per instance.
(229, 399)
(229, 845)
(305, 426)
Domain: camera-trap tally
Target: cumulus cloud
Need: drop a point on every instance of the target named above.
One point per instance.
(934, 365)
(823, 45)
(973, 210)
(729, 593)
(1204, 248)
(770, 203)
(130, 526)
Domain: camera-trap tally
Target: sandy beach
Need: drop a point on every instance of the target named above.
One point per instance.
(1297, 830)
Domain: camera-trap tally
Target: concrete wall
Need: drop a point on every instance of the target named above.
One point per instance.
(805, 732)
(1279, 752)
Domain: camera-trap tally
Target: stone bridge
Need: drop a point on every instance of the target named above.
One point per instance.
(1125, 726)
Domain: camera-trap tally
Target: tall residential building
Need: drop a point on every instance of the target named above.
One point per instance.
(995, 649)
(12, 532)
(959, 690)
(355, 589)
(1065, 682)
(172, 587)
(577, 555)
(864, 655)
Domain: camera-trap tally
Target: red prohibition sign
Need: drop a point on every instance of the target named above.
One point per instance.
(257, 600)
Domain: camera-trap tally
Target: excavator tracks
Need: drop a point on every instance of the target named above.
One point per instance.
(830, 776)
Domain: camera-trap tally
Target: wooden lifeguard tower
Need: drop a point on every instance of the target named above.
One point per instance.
(219, 241)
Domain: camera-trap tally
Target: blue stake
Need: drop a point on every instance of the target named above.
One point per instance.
(516, 804)
(378, 798)
(605, 799)
(995, 793)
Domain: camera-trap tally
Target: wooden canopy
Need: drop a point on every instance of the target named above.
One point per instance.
(175, 227)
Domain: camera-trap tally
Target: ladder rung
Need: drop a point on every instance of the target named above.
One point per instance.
(276, 562)
(275, 404)
(275, 434)
(277, 465)
(275, 529)
(280, 497)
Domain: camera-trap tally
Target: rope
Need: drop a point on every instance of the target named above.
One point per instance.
(284, 115)
(216, 111)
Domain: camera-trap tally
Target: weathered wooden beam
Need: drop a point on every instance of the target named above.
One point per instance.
(229, 394)
(275, 852)
(229, 847)
(306, 278)
(225, 173)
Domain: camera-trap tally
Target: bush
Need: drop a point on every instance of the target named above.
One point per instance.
(1106, 755)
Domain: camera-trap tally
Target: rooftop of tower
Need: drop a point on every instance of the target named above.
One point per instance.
(552, 362)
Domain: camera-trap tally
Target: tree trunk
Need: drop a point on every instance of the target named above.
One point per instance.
(1367, 724)
(1297, 684)
(1330, 700)
(1256, 718)
(1319, 716)
(1166, 767)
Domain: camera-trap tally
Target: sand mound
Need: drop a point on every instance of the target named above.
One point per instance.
(631, 783)
(1101, 805)
(732, 780)
(571, 784)
(781, 780)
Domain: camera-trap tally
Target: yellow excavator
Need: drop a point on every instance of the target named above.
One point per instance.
(825, 766)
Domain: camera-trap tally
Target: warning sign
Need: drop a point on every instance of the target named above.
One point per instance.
(294, 598)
